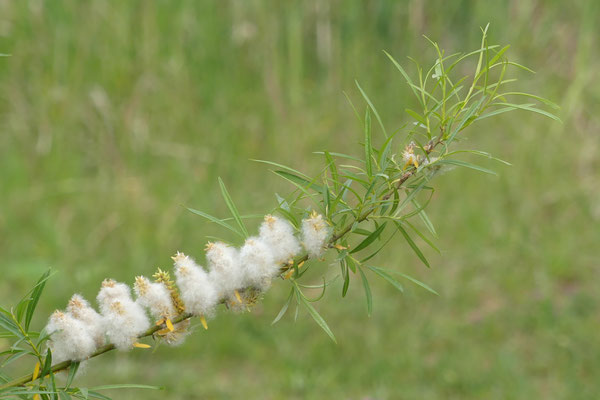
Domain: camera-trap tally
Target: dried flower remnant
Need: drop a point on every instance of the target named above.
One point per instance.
(409, 156)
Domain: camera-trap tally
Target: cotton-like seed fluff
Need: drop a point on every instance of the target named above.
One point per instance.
(69, 338)
(315, 232)
(278, 234)
(124, 319)
(81, 310)
(155, 297)
(258, 263)
(197, 291)
(226, 272)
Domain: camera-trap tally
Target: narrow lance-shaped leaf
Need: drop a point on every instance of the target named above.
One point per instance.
(367, 291)
(385, 275)
(412, 244)
(369, 239)
(372, 108)
(232, 208)
(368, 146)
(35, 298)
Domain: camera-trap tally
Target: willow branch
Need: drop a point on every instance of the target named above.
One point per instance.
(337, 236)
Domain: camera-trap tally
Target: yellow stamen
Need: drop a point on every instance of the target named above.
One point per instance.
(301, 264)
(141, 345)
(289, 274)
(203, 321)
(340, 247)
(160, 322)
(36, 371)
(237, 296)
(163, 332)
(36, 397)
(169, 325)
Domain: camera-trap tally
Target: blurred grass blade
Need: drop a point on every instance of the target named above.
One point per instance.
(232, 208)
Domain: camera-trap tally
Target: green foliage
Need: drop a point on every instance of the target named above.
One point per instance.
(227, 168)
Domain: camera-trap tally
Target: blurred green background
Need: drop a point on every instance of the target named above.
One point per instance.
(117, 115)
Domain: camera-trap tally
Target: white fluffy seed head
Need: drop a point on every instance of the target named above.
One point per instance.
(197, 291)
(80, 309)
(315, 232)
(155, 297)
(124, 319)
(226, 272)
(69, 338)
(278, 234)
(258, 263)
(110, 291)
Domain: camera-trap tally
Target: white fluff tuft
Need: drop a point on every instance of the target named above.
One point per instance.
(80, 309)
(226, 272)
(155, 297)
(124, 319)
(258, 263)
(197, 291)
(69, 338)
(315, 232)
(278, 234)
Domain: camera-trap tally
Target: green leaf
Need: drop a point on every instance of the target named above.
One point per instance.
(10, 326)
(35, 297)
(318, 319)
(425, 218)
(125, 386)
(232, 208)
(72, 371)
(372, 108)
(215, 220)
(333, 170)
(284, 308)
(385, 275)
(404, 74)
(417, 282)
(300, 182)
(472, 110)
(290, 169)
(367, 291)
(412, 244)
(346, 276)
(531, 108)
(369, 239)
(63, 395)
(466, 165)
(368, 145)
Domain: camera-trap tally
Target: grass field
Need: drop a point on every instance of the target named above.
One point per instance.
(116, 116)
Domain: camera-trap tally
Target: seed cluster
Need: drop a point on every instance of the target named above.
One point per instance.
(235, 276)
